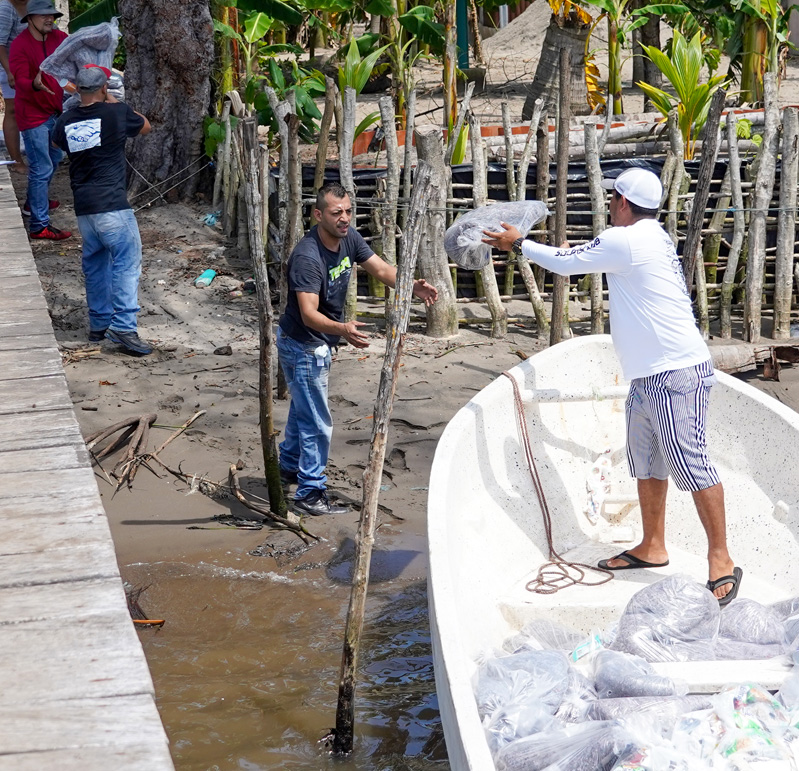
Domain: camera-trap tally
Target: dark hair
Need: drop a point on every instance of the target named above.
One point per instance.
(638, 211)
(334, 189)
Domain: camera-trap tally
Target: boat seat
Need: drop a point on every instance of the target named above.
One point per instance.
(592, 609)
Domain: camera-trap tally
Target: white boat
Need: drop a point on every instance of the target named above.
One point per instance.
(486, 534)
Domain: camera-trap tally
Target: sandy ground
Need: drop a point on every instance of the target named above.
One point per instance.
(160, 519)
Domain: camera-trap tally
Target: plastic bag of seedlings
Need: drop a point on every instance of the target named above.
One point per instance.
(581, 747)
(665, 709)
(618, 675)
(89, 45)
(577, 700)
(518, 695)
(649, 745)
(541, 675)
(542, 634)
(675, 619)
(749, 630)
(463, 241)
(788, 695)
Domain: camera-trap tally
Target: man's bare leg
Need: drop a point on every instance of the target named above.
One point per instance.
(652, 499)
(710, 507)
(11, 135)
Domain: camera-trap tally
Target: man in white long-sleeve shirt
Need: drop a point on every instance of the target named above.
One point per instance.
(664, 356)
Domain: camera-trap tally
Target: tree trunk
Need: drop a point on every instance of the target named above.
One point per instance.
(170, 55)
(650, 36)
(566, 33)
(442, 317)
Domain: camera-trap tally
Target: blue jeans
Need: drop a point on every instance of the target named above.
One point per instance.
(310, 425)
(43, 160)
(111, 266)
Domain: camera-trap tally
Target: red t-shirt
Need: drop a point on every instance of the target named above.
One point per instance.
(24, 57)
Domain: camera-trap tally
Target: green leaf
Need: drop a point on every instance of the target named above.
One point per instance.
(276, 76)
(459, 150)
(105, 10)
(256, 26)
(277, 9)
(369, 120)
(380, 8)
(279, 48)
(367, 42)
(419, 22)
(226, 30)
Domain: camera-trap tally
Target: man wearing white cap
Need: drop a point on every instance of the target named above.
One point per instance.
(93, 135)
(664, 356)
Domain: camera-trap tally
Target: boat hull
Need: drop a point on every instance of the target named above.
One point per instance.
(486, 535)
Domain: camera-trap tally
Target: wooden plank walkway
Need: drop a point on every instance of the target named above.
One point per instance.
(76, 691)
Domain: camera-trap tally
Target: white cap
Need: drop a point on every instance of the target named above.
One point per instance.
(638, 186)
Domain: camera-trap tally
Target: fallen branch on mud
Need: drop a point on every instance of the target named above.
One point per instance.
(136, 434)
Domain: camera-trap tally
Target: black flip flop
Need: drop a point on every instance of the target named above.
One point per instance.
(734, 579)
(633, 563)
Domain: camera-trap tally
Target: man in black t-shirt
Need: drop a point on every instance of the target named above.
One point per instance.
(94, 135)
(318, 274)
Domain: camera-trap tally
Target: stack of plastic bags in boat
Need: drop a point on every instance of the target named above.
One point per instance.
(545, 707)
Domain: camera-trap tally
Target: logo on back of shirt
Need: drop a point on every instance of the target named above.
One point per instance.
(83, 135)
(343, 266)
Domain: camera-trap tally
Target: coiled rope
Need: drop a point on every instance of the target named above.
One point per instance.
(558, 573)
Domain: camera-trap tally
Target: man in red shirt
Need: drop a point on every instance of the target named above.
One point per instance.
(38, 105)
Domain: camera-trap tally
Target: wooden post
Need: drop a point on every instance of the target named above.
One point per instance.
(222, 156)
(266, 373)
(527, 153)
(345, 139)
(389, 208)
(442, 318)
(542, 184)
(764, 187)
(598, 218)
(560, 294)
(739, 227)
(324, 138)
(677, 147)
(693, 238)
(372, 477)
(710, 251)
(499, 316)
(510, 170)
(407, 174)
(280, 109)
(786, 225)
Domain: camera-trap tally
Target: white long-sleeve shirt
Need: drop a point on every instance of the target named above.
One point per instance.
(651, 320)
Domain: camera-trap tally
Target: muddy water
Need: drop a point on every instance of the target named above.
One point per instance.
(246, 667)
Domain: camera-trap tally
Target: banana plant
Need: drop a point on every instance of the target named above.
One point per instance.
(682, 68)
(621, 24)
(356, 70)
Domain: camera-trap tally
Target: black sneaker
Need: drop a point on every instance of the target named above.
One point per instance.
(130, 341)
(317, 504)
(96, 335)
(288, 477)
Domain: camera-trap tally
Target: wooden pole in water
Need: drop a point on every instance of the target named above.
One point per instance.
(693, 238)
(786, 225)
(560, 296)
(395, 336)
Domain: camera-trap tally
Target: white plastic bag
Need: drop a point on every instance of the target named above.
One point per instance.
(463, 241)
(88, 45)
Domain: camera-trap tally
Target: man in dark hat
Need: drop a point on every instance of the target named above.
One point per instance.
(38, 103)
(94, 135)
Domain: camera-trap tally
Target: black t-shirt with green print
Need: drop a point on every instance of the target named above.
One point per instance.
(314, 268)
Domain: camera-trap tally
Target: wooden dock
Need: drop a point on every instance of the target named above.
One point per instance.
(76, 692)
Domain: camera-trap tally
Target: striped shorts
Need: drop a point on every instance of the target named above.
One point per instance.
(666, 427)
